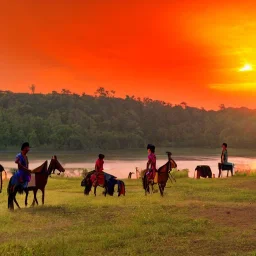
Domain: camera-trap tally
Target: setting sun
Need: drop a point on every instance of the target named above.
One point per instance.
(246, 67)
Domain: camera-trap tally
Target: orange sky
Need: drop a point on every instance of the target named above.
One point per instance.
(169, 50)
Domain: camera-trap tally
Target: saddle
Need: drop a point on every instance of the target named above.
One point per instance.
(100, 178)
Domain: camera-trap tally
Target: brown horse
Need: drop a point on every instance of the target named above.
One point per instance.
(41, 177)
(161, 177)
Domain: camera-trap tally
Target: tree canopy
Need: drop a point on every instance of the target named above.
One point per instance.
(70, 121)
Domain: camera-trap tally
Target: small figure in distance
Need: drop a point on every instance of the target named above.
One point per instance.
(130, 175)
(224, 164)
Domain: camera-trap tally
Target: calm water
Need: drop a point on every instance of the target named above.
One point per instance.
(121, 168)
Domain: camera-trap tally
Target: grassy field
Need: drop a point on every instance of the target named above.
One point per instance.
(195, 217)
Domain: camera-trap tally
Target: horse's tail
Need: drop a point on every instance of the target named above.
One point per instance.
(121, 188)
(12, 186)
(9, 187)
(144, 181)
(10, 194)
(1, 182)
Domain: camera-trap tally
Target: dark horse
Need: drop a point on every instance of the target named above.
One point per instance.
(104, 180)
(41, 177)
(1, 179)
(162, 176)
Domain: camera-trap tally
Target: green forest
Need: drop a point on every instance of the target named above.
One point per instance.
(73, 122)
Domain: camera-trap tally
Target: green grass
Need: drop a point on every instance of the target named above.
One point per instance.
(195, 217)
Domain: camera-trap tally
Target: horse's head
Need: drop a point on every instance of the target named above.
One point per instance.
(55, 165)
(173, 164)
(87, 183)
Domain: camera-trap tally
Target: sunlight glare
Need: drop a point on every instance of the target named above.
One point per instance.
(246, 67)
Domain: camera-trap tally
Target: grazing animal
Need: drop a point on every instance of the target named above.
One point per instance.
(203, 171)
(161, 178)
(104, 180)
(41, 177)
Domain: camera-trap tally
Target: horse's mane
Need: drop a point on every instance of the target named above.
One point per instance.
(41, 168)
(165, 165)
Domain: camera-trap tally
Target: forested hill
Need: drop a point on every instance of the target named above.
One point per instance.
(70, 121)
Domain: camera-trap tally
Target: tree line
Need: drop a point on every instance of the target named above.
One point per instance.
(71, 121)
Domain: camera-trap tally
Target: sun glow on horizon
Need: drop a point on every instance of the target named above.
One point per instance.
(246, 68)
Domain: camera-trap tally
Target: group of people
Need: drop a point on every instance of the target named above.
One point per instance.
(24, 173)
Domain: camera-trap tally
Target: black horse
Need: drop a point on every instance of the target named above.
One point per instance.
(107, 182)
(162, 176)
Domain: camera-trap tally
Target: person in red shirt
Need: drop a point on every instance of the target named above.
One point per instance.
(99, 163)
(96, 178)
(151, 164)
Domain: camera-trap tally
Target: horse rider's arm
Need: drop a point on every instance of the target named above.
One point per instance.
(148, 163)
(21, 167)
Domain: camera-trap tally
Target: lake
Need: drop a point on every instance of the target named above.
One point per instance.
(73, 162)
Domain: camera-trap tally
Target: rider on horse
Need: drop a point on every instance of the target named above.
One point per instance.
(151, 164)
(23, 173)
(98, 169)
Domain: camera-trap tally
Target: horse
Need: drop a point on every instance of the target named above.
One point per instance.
(161, 177)
(203, 171)
(1, 179)
(41, 177)
(104, 180)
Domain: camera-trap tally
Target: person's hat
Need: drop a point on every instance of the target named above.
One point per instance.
(168, 153)
(24, 145)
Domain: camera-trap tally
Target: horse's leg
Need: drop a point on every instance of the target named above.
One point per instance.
(161, 187)
(43, 196)
(26, 198)
(173, 177)
(152, 188)
(146, 187)
(15, 201)
(95, 190)
(106, 191)
(10, 201)
(35, 199)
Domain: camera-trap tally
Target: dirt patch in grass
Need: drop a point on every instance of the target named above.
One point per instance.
(251, 185)
(241, 217)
